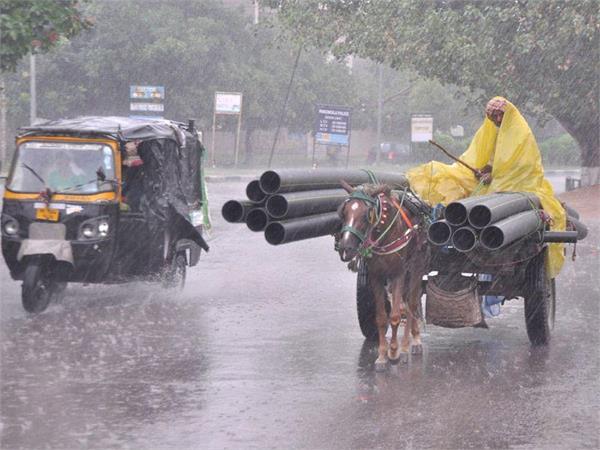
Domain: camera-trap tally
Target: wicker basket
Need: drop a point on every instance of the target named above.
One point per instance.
(453, 308)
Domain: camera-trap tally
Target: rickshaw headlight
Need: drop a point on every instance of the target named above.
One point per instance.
(88, 230)
(96, 228)
(103, 228)
(11, 227)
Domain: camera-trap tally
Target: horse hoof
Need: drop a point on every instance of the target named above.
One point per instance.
(416, 349)
(393, 356)
(381, 366)
(403, 358)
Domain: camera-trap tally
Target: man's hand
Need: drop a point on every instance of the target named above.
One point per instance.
(485, 174)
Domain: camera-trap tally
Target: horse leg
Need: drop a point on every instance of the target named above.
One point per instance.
(416, 345)
(416, 290)
(379, 294)
(394, 353)
(405, 341)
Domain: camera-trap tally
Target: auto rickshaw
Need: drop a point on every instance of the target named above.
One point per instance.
(75, 211)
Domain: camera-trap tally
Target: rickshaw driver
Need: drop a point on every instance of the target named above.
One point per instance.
(505, 152)
(65, 173)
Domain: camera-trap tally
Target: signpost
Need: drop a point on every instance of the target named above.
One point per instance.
(421, 128)
(228, 103)
(146, 101)
(332, 128)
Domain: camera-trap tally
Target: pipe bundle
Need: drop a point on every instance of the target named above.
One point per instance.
(495, 221)
(295, 204)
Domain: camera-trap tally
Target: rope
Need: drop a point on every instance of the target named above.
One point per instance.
(372, 178)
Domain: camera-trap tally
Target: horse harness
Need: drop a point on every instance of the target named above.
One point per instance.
(369, 244)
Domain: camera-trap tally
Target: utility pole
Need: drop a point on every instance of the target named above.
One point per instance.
(256, 12)
(32, 90)
(3, 146)
(379, 111)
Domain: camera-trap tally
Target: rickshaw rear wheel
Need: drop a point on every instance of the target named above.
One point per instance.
(37, 289)
(365, 304)
(174, 277)
(540, 301)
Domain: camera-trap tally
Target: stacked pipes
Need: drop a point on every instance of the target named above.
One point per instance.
(294, 204)
(492, 222)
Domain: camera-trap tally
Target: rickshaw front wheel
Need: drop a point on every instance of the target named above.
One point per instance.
(37, 289)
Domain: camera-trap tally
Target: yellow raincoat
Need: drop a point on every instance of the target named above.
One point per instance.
(516, 163)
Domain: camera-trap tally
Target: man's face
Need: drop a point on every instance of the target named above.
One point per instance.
(496, 117)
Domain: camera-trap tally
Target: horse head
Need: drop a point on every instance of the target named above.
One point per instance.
(359, 214)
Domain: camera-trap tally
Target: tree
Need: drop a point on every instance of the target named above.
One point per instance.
(36, 25)
(541, 54)
(193, 48)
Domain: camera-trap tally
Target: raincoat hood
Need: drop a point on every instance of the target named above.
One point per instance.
(516, 163)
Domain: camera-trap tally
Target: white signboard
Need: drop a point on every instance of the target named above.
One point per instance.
(154, 107)
(421, 128)
(228, 102)
(457, 131)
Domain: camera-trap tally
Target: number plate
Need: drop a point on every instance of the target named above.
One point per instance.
(48, 214)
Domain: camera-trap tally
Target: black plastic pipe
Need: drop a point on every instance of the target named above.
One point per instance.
(254, 192)
(580, 228)
(506, 231)
(439, 232)
(236, 211)
(457, 213)
(464, 239)
(306, 203)
(570, 211)
(560, 236)
(257, 219)
(278, 233)
(501, 206)
(295, 180)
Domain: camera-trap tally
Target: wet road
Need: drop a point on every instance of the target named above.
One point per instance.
(262, 350)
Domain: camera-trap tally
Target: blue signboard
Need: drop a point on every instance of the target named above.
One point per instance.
(333, 125)
(147, 93)
(146, 101)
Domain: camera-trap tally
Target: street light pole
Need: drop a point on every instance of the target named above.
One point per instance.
(256, 12)
(379, 111)
(32, 90)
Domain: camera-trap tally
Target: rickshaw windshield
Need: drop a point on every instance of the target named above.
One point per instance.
(71, 168)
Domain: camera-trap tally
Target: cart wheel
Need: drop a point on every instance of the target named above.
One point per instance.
(540, 301)
(365, 304)
(37, 289)
(174, 277)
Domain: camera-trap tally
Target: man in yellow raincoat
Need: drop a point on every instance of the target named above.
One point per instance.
(506, 154)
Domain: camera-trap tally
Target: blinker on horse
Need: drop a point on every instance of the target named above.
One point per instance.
(390, 239)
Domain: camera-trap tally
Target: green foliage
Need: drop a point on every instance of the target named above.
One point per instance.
(560, 151)
(193, 48)
(36, 26)
(541, 54)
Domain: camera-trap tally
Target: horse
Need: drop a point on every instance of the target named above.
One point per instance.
(389, 234)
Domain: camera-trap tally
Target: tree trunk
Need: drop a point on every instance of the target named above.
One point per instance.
(587, 135)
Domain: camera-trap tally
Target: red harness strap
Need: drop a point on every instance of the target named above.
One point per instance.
(402, 213)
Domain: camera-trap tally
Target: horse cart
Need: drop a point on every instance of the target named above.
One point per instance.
(473, 254)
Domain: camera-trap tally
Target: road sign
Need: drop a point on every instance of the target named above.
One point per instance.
(228, 102)
(147, 93)
(333, 125)
(421, 127)
(147, 107)
(146, 101)
(457, 131)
